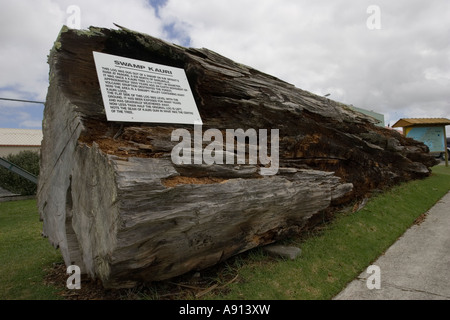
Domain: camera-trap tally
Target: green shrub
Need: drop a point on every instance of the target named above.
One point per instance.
(27, 160)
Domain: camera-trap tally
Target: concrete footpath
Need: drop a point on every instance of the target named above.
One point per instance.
(416, 267)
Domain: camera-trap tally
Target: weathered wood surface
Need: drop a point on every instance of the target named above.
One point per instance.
(115, 204)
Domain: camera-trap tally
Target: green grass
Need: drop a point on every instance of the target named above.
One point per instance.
(330, 258)
(24, 253)
(342, 250)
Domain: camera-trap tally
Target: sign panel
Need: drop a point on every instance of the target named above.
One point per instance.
(433, 137)
(140, 91)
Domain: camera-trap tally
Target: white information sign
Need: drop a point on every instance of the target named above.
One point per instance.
(140, 91)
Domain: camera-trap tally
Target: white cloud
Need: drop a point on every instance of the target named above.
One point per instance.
(30, 124)
(28, 30)
(326, 47)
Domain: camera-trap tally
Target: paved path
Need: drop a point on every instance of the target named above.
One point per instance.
(416, 267)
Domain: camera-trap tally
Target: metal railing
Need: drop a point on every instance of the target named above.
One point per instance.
(18, 170)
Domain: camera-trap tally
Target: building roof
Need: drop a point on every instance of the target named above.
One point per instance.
(421, 122)
(20, 137)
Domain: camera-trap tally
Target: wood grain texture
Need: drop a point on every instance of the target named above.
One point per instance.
(116, 205)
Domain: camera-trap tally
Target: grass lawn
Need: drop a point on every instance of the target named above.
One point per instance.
(330, 258)
(342, 249)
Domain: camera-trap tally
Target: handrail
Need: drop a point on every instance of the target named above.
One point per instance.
(18, 170)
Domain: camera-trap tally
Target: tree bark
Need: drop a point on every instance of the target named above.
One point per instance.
(116, 205)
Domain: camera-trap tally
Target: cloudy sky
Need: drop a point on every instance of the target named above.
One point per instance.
(392, 57)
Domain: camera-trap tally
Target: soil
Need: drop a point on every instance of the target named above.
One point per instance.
(420, 219)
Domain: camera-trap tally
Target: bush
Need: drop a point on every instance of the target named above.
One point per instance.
(27, 160)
